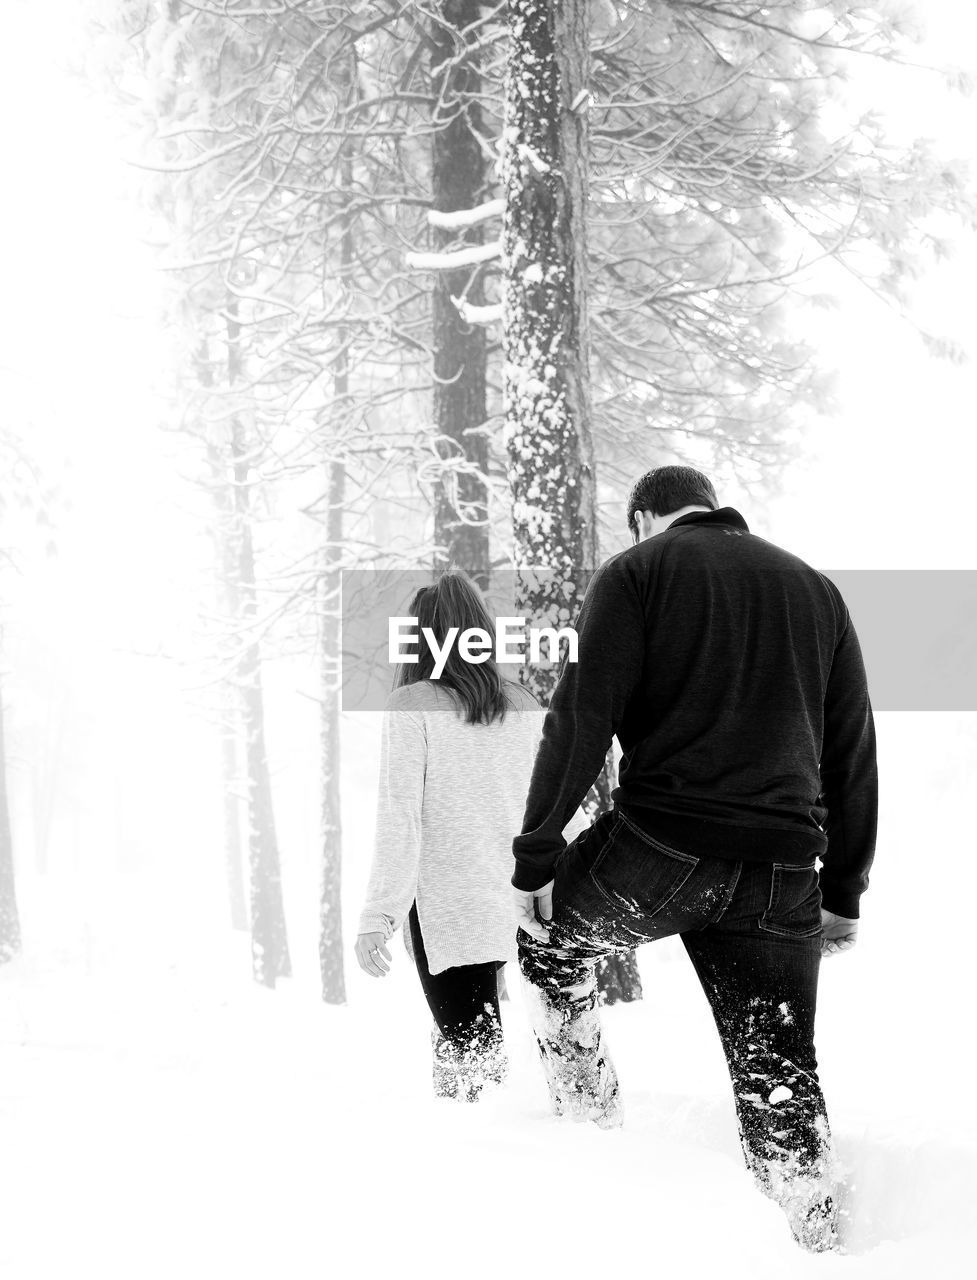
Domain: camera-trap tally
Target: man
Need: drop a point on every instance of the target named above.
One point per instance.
(731, 675)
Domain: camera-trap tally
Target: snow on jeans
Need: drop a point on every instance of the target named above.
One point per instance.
(466, 1038)
(752, 932)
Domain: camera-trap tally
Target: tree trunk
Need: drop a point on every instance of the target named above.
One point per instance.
(269, 940)
(230, 731)
(547, 386)
(229, 608)
(547, 422)
(330, 901)
(459, 181)
(331, 968)
(9, 915)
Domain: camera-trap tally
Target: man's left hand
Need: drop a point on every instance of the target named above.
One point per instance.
(838, 933)
(525, 914)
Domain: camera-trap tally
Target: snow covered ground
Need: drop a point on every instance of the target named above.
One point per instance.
(161, 1116)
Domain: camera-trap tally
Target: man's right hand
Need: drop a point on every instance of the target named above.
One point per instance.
(837, 933)
(525, 903)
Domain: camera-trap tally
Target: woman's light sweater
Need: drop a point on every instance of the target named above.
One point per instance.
(451, 798)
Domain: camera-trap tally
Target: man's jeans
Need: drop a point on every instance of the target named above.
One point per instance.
(752, 931)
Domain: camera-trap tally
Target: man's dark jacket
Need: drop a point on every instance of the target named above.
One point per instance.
(731, 675)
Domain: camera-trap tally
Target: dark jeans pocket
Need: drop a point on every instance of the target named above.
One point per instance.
(794, 907)
(634, 870)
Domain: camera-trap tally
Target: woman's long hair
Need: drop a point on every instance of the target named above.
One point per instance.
(480, 688)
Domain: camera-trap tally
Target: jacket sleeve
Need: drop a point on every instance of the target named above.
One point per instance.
(587, 708)
(849, 780)
(579, 821)
(397, 845)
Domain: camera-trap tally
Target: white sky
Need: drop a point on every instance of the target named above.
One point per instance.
(886, 485)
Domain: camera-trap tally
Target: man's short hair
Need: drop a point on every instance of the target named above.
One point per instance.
(667, 489)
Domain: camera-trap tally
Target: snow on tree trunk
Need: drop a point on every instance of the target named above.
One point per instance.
(269, 940)
(545, 378)
(9, 916)
(546, 373)
(459, 181)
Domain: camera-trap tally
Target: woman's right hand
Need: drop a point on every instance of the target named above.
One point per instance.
(371, 952)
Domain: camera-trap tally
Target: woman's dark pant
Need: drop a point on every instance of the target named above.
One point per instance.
(464, 1002)
(752, 931)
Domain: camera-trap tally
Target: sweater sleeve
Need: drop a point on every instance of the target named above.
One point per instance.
(397, 846)
(587, 708)
(849, 780)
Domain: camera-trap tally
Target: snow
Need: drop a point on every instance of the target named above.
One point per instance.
(466, 217)
(491, 313)
(161, 1115)
(454, 258)
(530, 154)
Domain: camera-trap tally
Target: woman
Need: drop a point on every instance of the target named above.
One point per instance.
(456, 758)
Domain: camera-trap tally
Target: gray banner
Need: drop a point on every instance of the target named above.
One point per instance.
(917, 629)
(918, 633)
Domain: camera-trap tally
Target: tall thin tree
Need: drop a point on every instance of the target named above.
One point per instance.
(547, 381)
(331, 970)
(228, 606)
(460, 177)
(270, 958)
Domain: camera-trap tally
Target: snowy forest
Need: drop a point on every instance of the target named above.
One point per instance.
(303, 290)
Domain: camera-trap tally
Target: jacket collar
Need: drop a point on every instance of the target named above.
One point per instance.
(722, 516)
